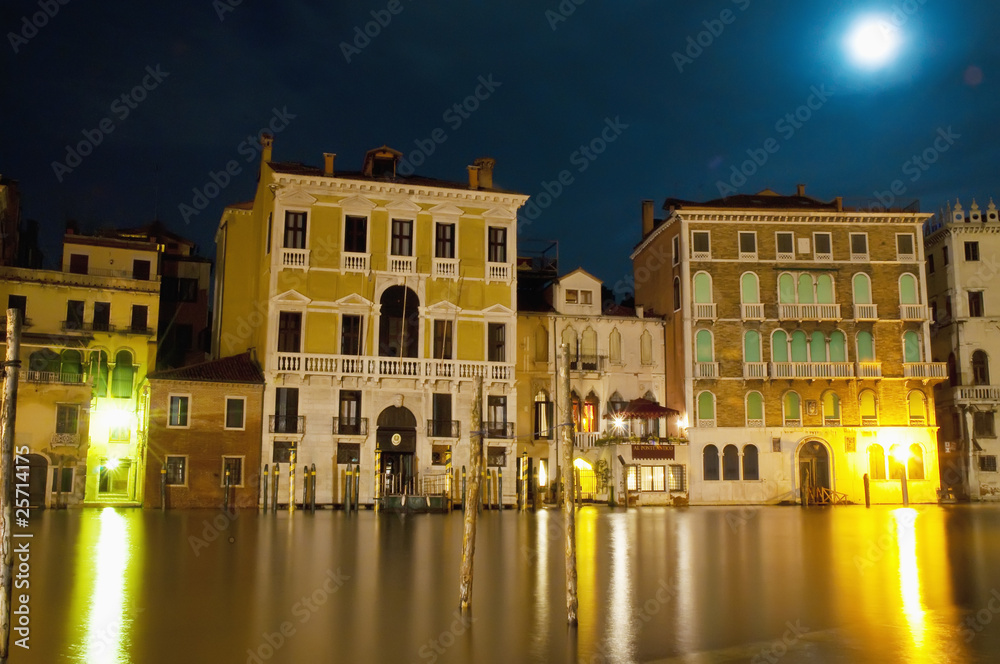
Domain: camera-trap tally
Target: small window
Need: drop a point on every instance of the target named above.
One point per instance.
(140, 318)
(947, 306)
(904, 247)
(141, 270)
(19, 302)
(859, 246)
(701, 245)
(443, 334)
(236, 412)
(972, 251)
(350, 335)
(676, 478)
(497, 244)
(876, 462)
(944, 255)
(586, 297)
(988, 463)
(232, 466)
(295, 230)
(751, 467)
(785, 246)
(78, 263)
(730, 463)
(748, 244)
(176, 467)
(497, 342)
(975, 304)
(824, 246)
(178, 416)
(676, 250)
(356, 234)
(572, 296)
(444, 241)
(984, 425)
(402, 237)
(74, 315)
(289, 332)
(677, 293)
(67, 418)
(710, 463)
(282, 452)
(930, 264)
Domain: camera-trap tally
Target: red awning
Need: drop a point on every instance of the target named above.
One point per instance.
(642, 409)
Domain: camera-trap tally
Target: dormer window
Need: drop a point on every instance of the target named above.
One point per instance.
(381, 162)
(384, 167)
(572, 296)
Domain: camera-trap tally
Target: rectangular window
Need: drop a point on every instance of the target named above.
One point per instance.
(67, 418)
(544, 413)
(176, 467)
(652, 478)
(983, 424)
(402, 237)
(443, 340)
(350, 335)
(975, 304)
(179, 289)
(19, 302)
(286, 410)
(632, 479)
(676, 478)
(270, 229)
(66, 485)
(236, 412)
(785, 246)
(572, 296)
(675, 250)
(497, 244)
(289, 332)
(823, 245)
(988, 463)
(74, 315)
(282, 452)
(356, 234)
(586, 297)
(496, 456)
(140, 318)
(748, 244)
(178, 416)
(78, 263)
(444, 241)
(972, 251)
(701, 245)
(947, 306)
(904, 247)
(441, 426)
(859, 246)
(944, 255)
(496, 416)
(497, 342)
(349, 411)
(930, 264)
(348, 453)
(232, 466)
(295, 230)
(140, 270)
(102, 316)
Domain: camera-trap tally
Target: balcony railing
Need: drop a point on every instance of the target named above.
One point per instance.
(706, 423)
(587, 439)
(703, 311)
(391, 367)
(868, 370)
(753, 311)
(446, 268)
(53, 377)
(587, 363)
(869, 421)
(498, 429)
(706, 369)
(65, 440)
(753, 370)
(138, 329)
(865, 312)
(789, 422)
(979, 393)
(353, 262)
(755, 424)
(913, 312)
(287, 424)
(497, 272)
(350, 426)
(812, 370)
(809, 311)
(25, 322)
(925, 370)
(295, 258)
(402, 264)
(444, 428)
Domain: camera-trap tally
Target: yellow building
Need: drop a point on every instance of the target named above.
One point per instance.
(373, 300)
(87, 340)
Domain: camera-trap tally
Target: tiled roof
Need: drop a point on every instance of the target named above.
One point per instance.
(294, 168)
(234, 369)
(764, 200)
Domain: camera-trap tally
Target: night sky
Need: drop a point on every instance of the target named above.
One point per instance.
(673, 95)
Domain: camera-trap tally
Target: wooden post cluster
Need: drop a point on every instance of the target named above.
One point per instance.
(471, 515)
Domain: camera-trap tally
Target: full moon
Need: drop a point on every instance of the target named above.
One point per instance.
(873, 41)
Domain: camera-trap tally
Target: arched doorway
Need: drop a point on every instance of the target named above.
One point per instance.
(814, 470)
(38, 472)
(396, 445)
(399, 323)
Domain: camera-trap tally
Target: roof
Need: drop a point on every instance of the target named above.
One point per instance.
(153, 230)
(642, 409)
(244, 205)
(765, 200)
(295, 168)
(233, 369)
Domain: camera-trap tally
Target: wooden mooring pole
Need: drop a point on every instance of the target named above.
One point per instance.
(7, 420)
(471, 515)
(568, 493)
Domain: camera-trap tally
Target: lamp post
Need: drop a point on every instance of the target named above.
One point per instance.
(902, 455)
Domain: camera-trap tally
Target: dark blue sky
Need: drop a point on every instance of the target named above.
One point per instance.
(561, 83)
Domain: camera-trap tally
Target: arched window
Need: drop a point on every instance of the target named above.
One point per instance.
(817, 347)
(706, 409)
(915, 464)
(44, 361)
(786, 289)
(646, 347)
(541, 344)
(71, 366)
(831, 409)
(710, 462)
(807, 288)
(862, 288)
(751, 346)
(908, 293)
(876, 462)
(616, 403)
(791, 407)
(824, 289)
(121, 377)
(730, 463)
(917, 405)
(99, 369)
(869, 408)
(588, 349)
(779, 346)
(677, 293)
(866, 347)
(800, 347)
(399, 323)
(615, 346)
(980, 368)
(749, 288)
(755, 409)
(838, 346)
(751, 466)
(569, 338)
(591, 411)
(895, 467)
(703, 344)
(911, 347)
(544, 412)
(703, 288)
(577, 408)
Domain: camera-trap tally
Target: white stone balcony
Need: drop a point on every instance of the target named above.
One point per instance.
(295, 258)
(812, 370)
(704, 311)
(978, 393)
(928, 371)
(446, 268)
(402, 264)
(809, 311)
(754, 370)
(754, 311)
(865, 312)
(706, 369)
(918, 312)
(354, 262)
(868, 370)
(391, 367)
(587, 439)
(498, 272)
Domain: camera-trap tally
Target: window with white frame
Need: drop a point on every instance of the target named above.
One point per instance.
(401, 242)
(178, 413)
(176, 467)
(572, 296)
(356, 234)
(675, 254)
(785, 246)
(905, 249)
(701, 246)
(859, 246)
(748, 245)
(67, 418)
(822, 247)
(236, 412)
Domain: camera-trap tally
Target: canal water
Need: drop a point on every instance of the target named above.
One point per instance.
(655, 585)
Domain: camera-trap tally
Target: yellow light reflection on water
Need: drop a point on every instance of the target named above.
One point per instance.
(909, 575)
(621, 627)
(586, 577)
(106, 606)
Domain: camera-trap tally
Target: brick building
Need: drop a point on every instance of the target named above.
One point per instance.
(797, 346)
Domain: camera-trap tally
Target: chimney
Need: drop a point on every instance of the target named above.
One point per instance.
(473, 177)
(840, 203)
(801, 190)
(640, 311)
(647, 218)
(485, 165)
(328, 158)
(266, 143)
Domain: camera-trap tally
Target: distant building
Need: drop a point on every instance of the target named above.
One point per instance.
(373, 300)
(615, 364)
(963, 249)
(797, 346)
(87, 342)
(205, 421)
(10, 220)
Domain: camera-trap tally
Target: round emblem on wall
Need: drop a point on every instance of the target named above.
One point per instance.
(396, 439)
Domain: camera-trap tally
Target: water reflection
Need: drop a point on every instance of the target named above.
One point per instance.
(106, 640)
(621, 628)
(909, 575)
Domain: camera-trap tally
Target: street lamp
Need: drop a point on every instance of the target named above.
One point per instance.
(901, 454)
